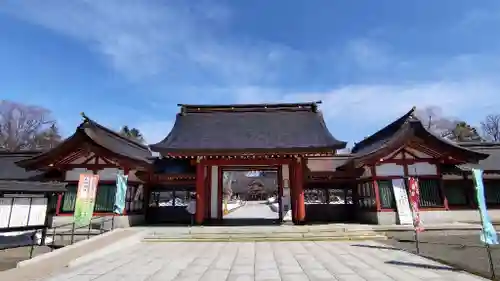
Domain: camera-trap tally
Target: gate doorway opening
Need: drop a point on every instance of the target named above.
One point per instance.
(251, 196)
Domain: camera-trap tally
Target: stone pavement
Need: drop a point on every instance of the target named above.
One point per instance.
(253, 210)
(260, 261)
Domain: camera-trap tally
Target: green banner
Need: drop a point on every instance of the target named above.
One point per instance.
(85, 199)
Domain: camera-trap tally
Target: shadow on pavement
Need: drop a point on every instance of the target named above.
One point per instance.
(422, 265)
(377, 247)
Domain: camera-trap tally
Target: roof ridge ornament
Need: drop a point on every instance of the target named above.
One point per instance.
(84, 116)
(413, 116)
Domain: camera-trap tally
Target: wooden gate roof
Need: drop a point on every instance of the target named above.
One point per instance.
(96, 138)
(249, 128)
(409, 127)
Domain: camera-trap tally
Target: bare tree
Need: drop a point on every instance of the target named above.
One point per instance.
(491, 127)
(433, 119)
(26, 127)
(447, 127)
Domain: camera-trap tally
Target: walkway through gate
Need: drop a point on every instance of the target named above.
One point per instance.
(244, 194)
(251, 196)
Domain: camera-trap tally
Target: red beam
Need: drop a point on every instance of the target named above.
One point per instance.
(246, 162)
(86, 166)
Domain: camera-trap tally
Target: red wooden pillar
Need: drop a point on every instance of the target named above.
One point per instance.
(200, 192)
(299, 191)
(59, 202)
(293, 194)
(378, 203)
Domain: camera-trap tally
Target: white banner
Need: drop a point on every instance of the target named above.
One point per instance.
(402, 203)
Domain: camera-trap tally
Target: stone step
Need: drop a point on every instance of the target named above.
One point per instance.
(267, 236)
(264, 238)
(264, 234)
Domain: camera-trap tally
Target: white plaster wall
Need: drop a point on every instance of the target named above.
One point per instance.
(320, 164)
(367, 172)
(74, 174)
(422, 169)
(108, 174)
(214, 191)
(389, 169)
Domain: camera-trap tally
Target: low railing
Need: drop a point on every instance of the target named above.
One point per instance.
(73, 231)
(48, 236)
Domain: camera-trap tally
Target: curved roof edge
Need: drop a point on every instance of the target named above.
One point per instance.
(99, 135)
(385, 130)
(398, 132)
(218, 115)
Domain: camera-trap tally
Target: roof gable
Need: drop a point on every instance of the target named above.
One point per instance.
(98, 138)
(402, 130)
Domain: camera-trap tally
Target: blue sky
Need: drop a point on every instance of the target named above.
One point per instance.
(131, 62)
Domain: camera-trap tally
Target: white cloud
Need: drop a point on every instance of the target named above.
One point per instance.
(377, 104)
(164, 38)
(367, 54)
(146, 38)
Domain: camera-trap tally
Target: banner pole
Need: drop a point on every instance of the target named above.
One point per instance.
(415, 232)
(483, 230)
(487, 246)
(492, 266)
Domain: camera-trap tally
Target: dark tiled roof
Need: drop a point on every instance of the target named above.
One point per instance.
(271, 127)
(10, 171)
(114, 142)
(31, 186)
(398, 132)
(90, 132)
(492, 163)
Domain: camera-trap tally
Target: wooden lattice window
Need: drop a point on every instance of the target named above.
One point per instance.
(386, 193)
(366, 195)
(457, 192)
(69, 199)
(492, 192)
(430, 193)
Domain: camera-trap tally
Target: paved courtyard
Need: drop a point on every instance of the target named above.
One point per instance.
(459, 248)
(261, 261)
(253, 210)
